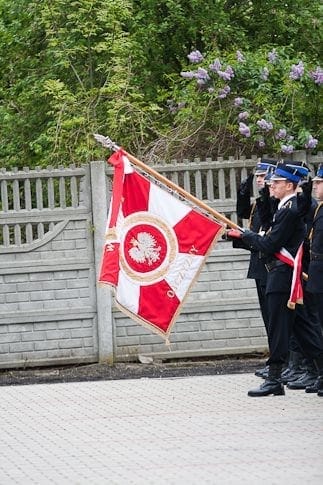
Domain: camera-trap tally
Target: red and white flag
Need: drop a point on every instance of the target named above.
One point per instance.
(155, 248)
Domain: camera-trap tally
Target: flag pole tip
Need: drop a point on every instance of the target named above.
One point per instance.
(106, 141)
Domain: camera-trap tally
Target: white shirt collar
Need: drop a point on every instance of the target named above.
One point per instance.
(285, 199)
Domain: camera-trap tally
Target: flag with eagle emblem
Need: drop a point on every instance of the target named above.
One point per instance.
(155, 247)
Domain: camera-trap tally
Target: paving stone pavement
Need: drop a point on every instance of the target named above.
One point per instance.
(192, 430)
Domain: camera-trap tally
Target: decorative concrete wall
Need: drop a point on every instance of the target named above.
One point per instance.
(47, 278)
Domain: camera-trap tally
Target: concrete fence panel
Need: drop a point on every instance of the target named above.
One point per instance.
(47, 278)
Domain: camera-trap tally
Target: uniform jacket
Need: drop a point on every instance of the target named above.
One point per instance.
(308, 219)
(246, 210)
(288, 231)
(315, 270)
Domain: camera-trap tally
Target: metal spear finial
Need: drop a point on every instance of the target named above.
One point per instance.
(106, 142)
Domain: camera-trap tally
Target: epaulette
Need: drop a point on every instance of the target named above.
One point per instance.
(310, 237)
(287, 204)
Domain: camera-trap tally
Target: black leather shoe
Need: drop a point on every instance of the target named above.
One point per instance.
(313, 388)
(267, 388)
(291, 375)
(263, 373)
(305, 380)
(316, 387)
(295, 368)
(320, 386)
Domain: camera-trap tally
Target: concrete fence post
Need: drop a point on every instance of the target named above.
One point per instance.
(99, 196)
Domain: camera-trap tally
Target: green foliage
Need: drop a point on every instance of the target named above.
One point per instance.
(67, 74)
(293, 23)
(70, 69)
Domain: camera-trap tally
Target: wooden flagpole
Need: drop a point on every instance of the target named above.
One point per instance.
(108, 143)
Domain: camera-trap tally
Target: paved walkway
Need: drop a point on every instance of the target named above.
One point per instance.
(196, 430)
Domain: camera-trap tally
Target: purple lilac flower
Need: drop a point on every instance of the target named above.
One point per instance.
(243, 115)
(227, 75)
(201, 82)
(261, 143)
(296, 71)
(240, 56)
(289, 138)
(224, 75)
(311, 142)
(215, 66)
(265, 125)
(281, 134)
(264, 74)
(223, 93)
(272, 56)
(188, 74)
(238, 101)
(317, 75)
(211, 90)
(195, 57)
(202, 74)
(244, 129)
(287, 148)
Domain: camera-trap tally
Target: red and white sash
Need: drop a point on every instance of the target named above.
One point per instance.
(296, 293)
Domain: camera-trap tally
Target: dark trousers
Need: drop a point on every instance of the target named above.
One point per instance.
(294, 345)
(319, 301)
(261, 291)
(303, 322)
(280, 321)
(307, 328)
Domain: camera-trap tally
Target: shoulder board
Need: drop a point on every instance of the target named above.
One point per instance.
(287, 204)
(318, 209)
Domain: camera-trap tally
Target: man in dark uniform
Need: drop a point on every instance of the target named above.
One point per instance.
(315, 269)
(259, 223)
(287, 231)
(307, 315)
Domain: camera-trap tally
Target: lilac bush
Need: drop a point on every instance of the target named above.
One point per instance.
(195, 57)
(311, 142)
(215, 66)
(244, 129)
(265, 125)
(281, 134)
(238, 101)
(223, 93)
(297, 71)
(262, 100)
(272, 56)
(317, 75)
(243, 115)
(287, 149)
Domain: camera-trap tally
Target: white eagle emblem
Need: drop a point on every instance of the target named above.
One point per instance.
(144, 249)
